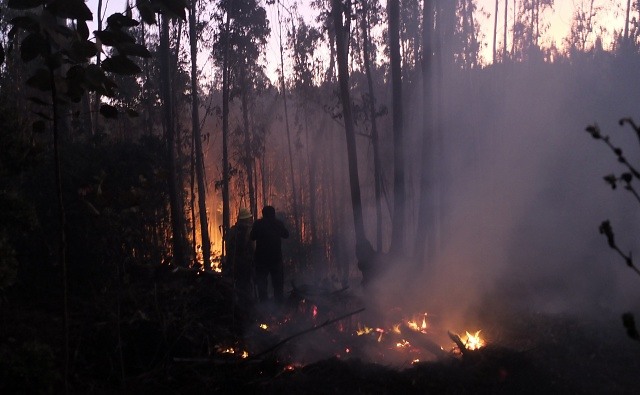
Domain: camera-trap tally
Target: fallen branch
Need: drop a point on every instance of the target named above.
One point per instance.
(421, 340)
(304, 332)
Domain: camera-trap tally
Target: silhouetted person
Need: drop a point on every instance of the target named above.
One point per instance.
(240, 250)
(268, 232)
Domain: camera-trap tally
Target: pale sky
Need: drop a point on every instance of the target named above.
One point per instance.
(559, 20)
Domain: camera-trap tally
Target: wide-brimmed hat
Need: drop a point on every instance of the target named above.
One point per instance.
(244, 213)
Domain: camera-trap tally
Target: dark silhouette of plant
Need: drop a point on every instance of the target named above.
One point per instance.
(625, 179)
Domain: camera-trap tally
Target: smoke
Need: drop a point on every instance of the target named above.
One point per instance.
(522, 196)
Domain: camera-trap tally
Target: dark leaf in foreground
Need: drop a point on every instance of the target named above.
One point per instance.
(24, 4)
(108, 111)
(32, 46)
(40, 80)
(120, 64)
(630, 325)
(70, 9)
(38, 126)
(146, 11)
(132, 49)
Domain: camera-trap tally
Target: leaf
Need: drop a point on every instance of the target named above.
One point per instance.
(174, 7)
(117, 21)
(24, 4)
(37, 100)
(70, 9)
(146, 11)
(133, 50)
(113, 37)
(83, 30)
(40, 80)
(1, 54)
(38, 126)
(83, 50)
(43, 115)
(120, 64)
(629, 324)
(25, 22)
(108, 111)
(32, 46)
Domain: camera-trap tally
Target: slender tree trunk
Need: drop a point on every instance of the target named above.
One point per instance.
(343, 78)
(62, 233)
(495, 32)
(294, 191)
(248, 156)
(177, 222)
(96, 103)
(226, 218)
(377, 168)
(197, 138)
(426, 211)
(506, 21)
(626, 22)
(399, 193)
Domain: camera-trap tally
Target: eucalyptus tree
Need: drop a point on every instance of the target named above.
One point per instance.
(339, 10)
(425, 235)
(243, 34)
(304, 42)
(369, 14)
(527, 28)
(197, 137)
(399, 193)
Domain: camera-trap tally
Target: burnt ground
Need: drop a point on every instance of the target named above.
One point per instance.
(166, 331)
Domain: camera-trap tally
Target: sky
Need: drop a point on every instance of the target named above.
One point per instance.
(559, 19)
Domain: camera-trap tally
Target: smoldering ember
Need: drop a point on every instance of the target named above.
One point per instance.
(319, 197)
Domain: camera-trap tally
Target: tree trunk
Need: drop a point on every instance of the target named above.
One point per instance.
(506, 21)
(226, 218)
(343, 79)
(96, 103)
(377, 168)
(426, 212)
(283, 88)
(177, 222)
(248, 156)
(397, 236)
(626, 22)
(197, 138)
(495, 32)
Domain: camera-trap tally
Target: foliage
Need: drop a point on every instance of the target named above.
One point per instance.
(626, 180)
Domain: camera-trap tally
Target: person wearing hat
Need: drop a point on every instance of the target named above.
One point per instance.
(268, 232)
(240, 249)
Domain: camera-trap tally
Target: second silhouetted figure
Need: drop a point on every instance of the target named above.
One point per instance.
(268, 232)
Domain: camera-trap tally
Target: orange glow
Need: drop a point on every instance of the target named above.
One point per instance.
(418, 324)
(473, 341)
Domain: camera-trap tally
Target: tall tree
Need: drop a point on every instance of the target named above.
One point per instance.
(197, 138)
(426, 213)
(368, 14)
(504, 33)
(175, 201)
(495, 32)
(283, 88)
(399, 193)
(342, 53)
(243, 34)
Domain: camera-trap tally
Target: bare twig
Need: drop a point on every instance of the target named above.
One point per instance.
(304, 332)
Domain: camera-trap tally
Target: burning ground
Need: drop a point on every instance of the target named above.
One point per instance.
(180, 331)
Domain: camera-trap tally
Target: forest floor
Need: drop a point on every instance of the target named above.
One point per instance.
(179, 332)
